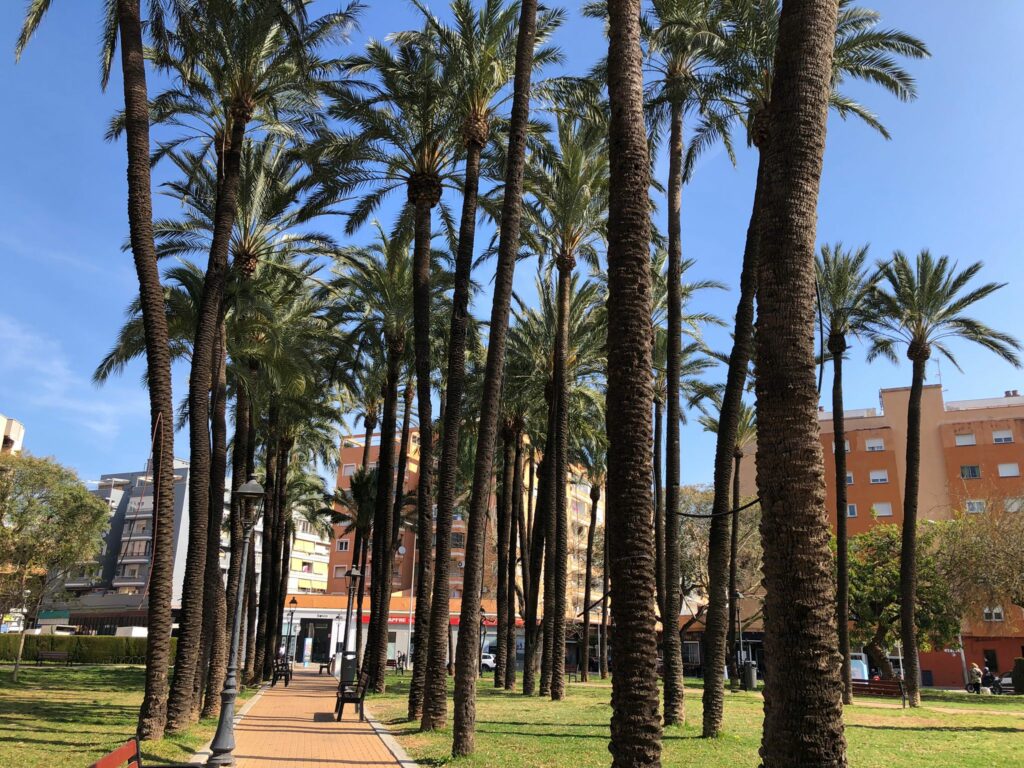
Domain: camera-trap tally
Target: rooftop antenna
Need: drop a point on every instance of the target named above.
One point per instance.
(938, 367)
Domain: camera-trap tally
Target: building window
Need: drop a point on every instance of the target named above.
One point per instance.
(965, 438)
(851, 510)
(340, 571)
(993, 614)
(135, 549)
(343, 545)
(879, 476)
(874, 444)
(1009, 470)
(456, 593)
(849, 478)
(970, 472)
(975, 506)
(1000, 436)
(458, 540)
(348, 470)
(882, 509)
(306, 567)
(1014, 504)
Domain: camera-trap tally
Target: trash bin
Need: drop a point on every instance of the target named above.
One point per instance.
(750, 676)
(348, 666)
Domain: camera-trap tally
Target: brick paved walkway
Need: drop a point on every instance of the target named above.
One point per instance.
(295, 727)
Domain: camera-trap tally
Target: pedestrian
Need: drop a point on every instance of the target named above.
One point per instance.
(975, 675)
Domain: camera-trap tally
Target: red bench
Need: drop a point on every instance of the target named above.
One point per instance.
(890, 688)
(128, 755)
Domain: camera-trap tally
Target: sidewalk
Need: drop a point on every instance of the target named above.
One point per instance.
(295, 727)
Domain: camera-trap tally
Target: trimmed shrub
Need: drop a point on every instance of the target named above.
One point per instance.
(1017, 675)
(84, 649)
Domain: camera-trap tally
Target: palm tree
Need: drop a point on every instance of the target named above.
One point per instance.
(635, 725)
(746, 431)
(124, 20)
(862, 51)
(478, 56)
(920, 306)
(845, 286)
(568, 215)
(508, 247)
(803, 702)
(357, 506)
(595, 459)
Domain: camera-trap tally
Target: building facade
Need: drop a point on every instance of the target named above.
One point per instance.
(12, 435)
(972, 452)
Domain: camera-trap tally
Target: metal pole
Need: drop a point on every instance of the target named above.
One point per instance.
(224, 741)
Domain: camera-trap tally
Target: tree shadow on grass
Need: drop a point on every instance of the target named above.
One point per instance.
(939, 728)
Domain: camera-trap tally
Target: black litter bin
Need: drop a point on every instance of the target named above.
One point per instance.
(348, 667)
(750, 676)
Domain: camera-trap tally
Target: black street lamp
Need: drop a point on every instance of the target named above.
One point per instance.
(352, 576)
(293, 604)
(249, 495)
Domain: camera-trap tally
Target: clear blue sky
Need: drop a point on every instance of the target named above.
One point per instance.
(949, 180)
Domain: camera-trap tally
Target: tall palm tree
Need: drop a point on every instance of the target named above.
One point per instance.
(508, 248)
(803, 702)
(595, 458)
(920, 305)
(124, 20)
(746, 431)
(478, 57)
(570, 194)
(357, 506)
(635, 725)
(862, 51)
(845, 286)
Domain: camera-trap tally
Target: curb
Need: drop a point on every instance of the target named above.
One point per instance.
(393, 746)
(202, 755)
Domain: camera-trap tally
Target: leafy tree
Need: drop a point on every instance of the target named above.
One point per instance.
(920, 307)
(49, 523)
(875, 593)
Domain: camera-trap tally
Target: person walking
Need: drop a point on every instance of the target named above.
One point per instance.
(975, 675)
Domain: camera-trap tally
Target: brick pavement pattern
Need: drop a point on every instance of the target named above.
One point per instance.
(295, 727)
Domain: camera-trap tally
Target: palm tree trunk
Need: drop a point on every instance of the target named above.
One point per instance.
(837, 346)
(153, 714)
(239, 450)
(908, 551)
(252, 611)
(635, 725)
(282, 551)
(671, 643)
(532, 586)
(734, 606)
(803, 722)
(504, 530)
(179, 704)
(566, 263)
(428, 691)
(595, 496)
(216, 611)
(550, 534)
(467, 663)
(271, 564)
(266, 544)
(529, 499)
(518, 525)
(659, 510)
(605, 583)
(408, 394)
(370, 420)
(716, 622)
(359, 603)
(383, 555)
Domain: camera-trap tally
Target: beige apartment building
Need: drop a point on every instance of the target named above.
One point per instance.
(972, 454)
(12, 435)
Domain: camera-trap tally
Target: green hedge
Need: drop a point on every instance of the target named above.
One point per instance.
(84, 649)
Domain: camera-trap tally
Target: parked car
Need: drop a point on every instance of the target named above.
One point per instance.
(487, 662)
(1006, 681)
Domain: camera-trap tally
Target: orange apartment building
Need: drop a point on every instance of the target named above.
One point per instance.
(972, 452)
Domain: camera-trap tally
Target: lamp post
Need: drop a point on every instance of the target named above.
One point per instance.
(223, 745)
(292, 604)
(352, 576)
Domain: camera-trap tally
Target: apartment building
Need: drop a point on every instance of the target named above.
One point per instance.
(12, 435)
(972, 452)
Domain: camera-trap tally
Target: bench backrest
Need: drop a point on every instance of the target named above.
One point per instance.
(881, 687)
(126, 755)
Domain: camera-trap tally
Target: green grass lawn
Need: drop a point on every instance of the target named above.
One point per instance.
(513, 730)
(70, 716)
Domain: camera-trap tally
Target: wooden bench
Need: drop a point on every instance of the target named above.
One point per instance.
(325, 666)
(352, 694)
(282, 670)
(572, 673)
(63, 656)
(888, 688)
(128, 755)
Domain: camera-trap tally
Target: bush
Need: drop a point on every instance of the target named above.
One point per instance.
(84, 649)
(1018, 675)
